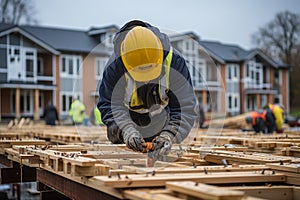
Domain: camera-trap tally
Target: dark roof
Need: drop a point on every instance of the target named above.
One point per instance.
(63, 39)
(225, 52)
(4, 27)
(59, 39)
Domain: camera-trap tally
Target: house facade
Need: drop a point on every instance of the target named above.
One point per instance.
(42, 64)
(230, 80)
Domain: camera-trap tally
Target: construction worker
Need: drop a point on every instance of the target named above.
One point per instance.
(262, 121)
(146, 94)
(77, 112)
(95, 117)
(278, 112)
(51, 114)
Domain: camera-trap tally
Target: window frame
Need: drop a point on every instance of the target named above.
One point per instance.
(100, 63)
(75, 60)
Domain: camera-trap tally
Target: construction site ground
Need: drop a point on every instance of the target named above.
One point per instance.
(220, 162)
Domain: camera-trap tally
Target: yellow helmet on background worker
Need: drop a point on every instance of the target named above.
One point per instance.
(142, 54)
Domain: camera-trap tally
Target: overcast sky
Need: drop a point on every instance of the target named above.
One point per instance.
(227, 21)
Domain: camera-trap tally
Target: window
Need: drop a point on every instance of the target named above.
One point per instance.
(3, 58)
(100, 65)
(232, 71)
(107, 39)
(40, 66)
(14, 39)
(247, 70)
(26, 102)
(63, 65)
(233, 103)
(278, 78)
(64, 106)
(29, 68)
(3, 40)
(253, 74)
(229, 102)
(66, 101)
(70, 66)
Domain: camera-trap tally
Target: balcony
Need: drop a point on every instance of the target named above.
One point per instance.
(262, 88)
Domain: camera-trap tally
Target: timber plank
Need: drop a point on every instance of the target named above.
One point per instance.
(150, 195)
(204, 191)
(161, 179)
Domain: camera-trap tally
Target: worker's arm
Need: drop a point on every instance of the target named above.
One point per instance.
(111, 102)
(182, 101)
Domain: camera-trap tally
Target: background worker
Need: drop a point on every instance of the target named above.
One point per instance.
(146, 93)
(262, 121)
(51, 114)
(77, 112)
(278, 112)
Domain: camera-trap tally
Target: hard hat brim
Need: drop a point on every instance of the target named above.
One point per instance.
(143, 75)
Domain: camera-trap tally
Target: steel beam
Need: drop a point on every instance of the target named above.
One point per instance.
(69, 187)
(17, 173)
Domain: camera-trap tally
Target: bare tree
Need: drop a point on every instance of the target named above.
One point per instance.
(280, 36)
(17, 11)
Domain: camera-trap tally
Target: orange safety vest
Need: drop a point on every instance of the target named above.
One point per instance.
(255, 115)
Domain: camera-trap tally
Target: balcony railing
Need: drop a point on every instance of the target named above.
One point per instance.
(252, 85)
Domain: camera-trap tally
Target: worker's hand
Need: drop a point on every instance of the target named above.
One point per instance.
(133, 139)
(163, 144)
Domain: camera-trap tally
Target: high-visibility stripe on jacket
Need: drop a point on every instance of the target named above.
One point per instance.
(255, 115)
(133, 100)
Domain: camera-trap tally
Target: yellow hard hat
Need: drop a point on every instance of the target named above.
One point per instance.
(142, 54)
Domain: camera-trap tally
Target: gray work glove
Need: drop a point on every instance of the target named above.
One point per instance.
(163, 144)
(133, 139)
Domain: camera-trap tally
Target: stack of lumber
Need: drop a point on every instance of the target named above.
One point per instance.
(57, 134)
(230, 163)
(236, 122)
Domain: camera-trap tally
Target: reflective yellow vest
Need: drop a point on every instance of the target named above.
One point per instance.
(97, 116)
(77, 111)
(131, 97)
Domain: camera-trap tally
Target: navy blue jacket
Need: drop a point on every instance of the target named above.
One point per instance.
(182, 101)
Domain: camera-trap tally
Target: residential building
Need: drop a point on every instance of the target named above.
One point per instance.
(251, 79)
(41, 64)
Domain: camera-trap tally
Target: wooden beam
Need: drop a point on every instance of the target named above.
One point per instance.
(131, 181)
(269, 192)
(196, 169)
(204, 191)
(146, 194)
